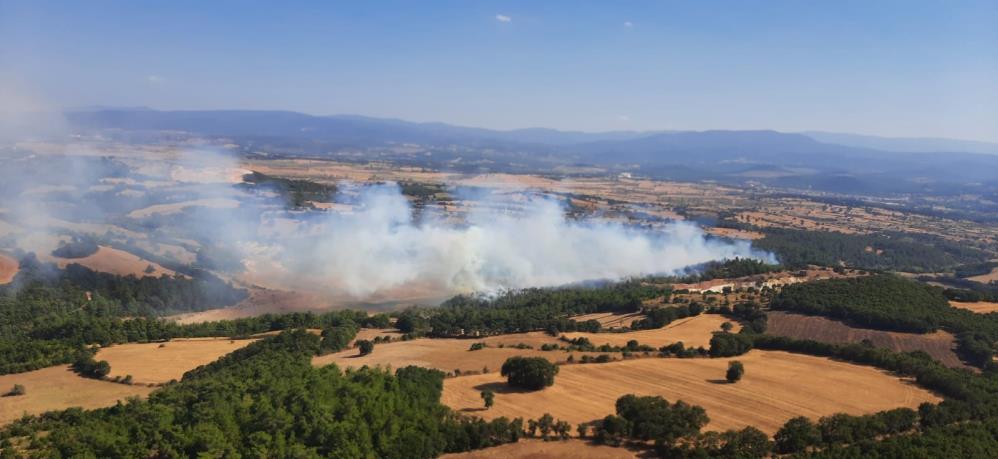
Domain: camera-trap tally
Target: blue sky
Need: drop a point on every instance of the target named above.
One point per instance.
(898, 68)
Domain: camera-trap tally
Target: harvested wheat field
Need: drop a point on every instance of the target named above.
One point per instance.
(8, 268)
(692, 331)
(980, 307)
(116, 261)
(172, 208)
(610, 319)
(443, 354)
(58, 388)
(157, 363)
(986, 278)
(940, 345)
(776, 387)
(539, 449)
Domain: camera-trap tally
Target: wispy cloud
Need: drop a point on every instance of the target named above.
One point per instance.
(155, 79)
(628, 24)
(503, 18)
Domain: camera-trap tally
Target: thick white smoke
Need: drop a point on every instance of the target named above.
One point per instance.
(379, 248)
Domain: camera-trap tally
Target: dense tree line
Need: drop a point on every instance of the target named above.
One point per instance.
(266, 400)
(526, 310)
(730, 269)
(296, 192)
(976, 269)
(78, 247)
(892, 303)
(659, 317)
(888, 251)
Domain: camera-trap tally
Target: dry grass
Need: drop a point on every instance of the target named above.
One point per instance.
(692, 331)
(939, 345)
(610, 319)
(149, 363)
(58, 388)
(114, 261)
(980, 307)
(986, 278)
(447, 354)
(539, 449)
(8, 268)
(776, 387)
(172, 208)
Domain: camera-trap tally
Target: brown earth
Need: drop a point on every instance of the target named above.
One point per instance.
(776, 387)
(940, 345)
(980, 307)
(8, 268)
(539, 449)
(692, 331)
(114, 261)
(58, 388)
(158, 363)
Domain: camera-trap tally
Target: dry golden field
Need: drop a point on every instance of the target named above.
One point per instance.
(449, 354)
(157, 363)
(980, 307)
(172, 208)
(692, 331)
(986, 278)
(776, 387)
(58, 388)
(114, 261)
(539, 449)
(940, 344)
(610, 319)
(8, 269)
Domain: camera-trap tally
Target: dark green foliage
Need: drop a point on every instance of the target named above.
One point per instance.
(892, 303)
(86, 366)
(478, 346)
(653, 418)
(660, 317)
(730, 269)
(529, 309)
(752, 315)
(337, 338)
(976, 269)
(796, 435)
(365, 346)
(296, 192)
(18, 389)
(489, 398)
(899, 251)
(266, 400)
(735, 371)
(533, 373)
(729, 344)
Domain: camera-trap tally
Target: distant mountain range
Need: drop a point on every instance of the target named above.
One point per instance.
(818, 160)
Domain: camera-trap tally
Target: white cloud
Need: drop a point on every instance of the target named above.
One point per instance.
(155, 79)
(503, 18)
(623, 118)
(628, 24)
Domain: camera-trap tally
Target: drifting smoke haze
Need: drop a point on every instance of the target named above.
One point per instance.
(371, 249)
(378, 248)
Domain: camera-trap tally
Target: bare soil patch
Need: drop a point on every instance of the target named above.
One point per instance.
(158, 363)
(58, 388)
(776, 387)
(8, 268)
(539, 449)
(692, 331)
(980, 307)
(940, 345)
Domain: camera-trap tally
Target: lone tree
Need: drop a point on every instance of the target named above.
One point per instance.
(365, 346)
(533, 373)
(727, 326)
(735, 371)
(489, 397)
(16, 390)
